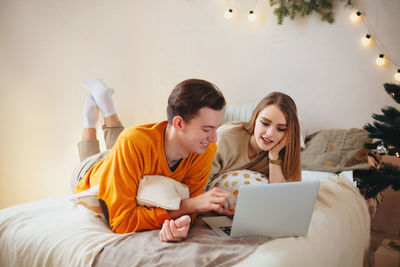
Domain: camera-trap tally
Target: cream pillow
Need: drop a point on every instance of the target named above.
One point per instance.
(232, 180)
(153, 191)
(160, 191)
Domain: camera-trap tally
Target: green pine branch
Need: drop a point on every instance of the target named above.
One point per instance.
(290, 8)
(372, 181)
(390, 115)
(386, 126)
(393, 90)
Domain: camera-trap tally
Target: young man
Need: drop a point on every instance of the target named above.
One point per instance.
(181, 148)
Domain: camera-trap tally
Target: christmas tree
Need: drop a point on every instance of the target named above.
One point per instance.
(385, 128)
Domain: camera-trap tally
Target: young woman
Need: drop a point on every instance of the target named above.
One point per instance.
(269, 143)
(181, 148)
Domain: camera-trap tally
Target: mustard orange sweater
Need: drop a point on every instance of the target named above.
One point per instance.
(139, 151)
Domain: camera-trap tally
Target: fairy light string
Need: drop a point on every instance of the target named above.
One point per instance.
(380, 60)
(359, 14)
(234, 8)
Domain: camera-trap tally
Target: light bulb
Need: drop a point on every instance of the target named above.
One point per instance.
(397, 75)
(380, 60)
(366, 40)
(228, 14)
(251, 17)
(355, 16)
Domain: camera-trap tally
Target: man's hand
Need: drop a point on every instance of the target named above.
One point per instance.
(217, 200)
(175, 230)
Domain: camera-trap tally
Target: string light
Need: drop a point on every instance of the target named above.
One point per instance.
(251, 17)
(355, 16)
(380, 60)
(397, 75)
(366, 40)
(247, 6)
(228, 14)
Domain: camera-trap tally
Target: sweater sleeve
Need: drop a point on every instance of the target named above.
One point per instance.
(121, 173)
(196, 177)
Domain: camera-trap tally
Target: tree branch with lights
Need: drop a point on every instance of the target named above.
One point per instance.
(292, 8)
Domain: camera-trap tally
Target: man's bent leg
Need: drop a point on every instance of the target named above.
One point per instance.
(111, 133)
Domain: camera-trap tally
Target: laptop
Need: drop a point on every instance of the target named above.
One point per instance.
(270, 210)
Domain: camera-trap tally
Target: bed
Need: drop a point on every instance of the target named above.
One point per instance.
(58, 232)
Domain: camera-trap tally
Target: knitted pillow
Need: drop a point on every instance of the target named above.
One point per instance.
(232, 180)
(336, 150)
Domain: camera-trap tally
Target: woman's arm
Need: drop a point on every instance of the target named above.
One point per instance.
(275, 163)
(275, 173)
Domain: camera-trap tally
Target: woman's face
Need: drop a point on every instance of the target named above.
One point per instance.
(270, 127)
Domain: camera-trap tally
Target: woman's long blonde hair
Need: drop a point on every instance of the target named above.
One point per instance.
(290, 155)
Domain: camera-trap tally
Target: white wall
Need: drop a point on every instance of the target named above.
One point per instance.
(143, 48)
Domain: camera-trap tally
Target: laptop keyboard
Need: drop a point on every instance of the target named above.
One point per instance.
(226, 229)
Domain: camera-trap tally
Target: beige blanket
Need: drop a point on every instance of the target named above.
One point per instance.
(201, 248)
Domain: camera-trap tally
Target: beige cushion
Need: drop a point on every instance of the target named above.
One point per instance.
(336, 150)
(160, 191)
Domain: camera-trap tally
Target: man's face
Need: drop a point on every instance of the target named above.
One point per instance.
(201, 130)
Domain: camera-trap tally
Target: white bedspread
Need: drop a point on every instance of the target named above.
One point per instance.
(338, 235)
(51, 232)
(55, 232)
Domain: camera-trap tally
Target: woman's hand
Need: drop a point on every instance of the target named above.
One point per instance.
(175, 230)
(273, 153)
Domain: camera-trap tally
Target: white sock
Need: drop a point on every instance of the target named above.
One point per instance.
(89, 114)
(101, 95)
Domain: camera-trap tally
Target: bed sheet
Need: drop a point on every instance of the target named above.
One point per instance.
(51, 232)
(55, 232)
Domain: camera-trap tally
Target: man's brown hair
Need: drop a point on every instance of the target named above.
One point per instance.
(189, 96)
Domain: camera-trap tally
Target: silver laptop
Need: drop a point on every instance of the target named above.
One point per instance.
(272, 210)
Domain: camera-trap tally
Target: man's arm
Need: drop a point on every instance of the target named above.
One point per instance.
(120, 175)
(216, 199)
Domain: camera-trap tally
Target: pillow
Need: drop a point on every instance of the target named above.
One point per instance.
(153, 191)
(336, 150)
(303, 133)
(232, 180)
(160, 191)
